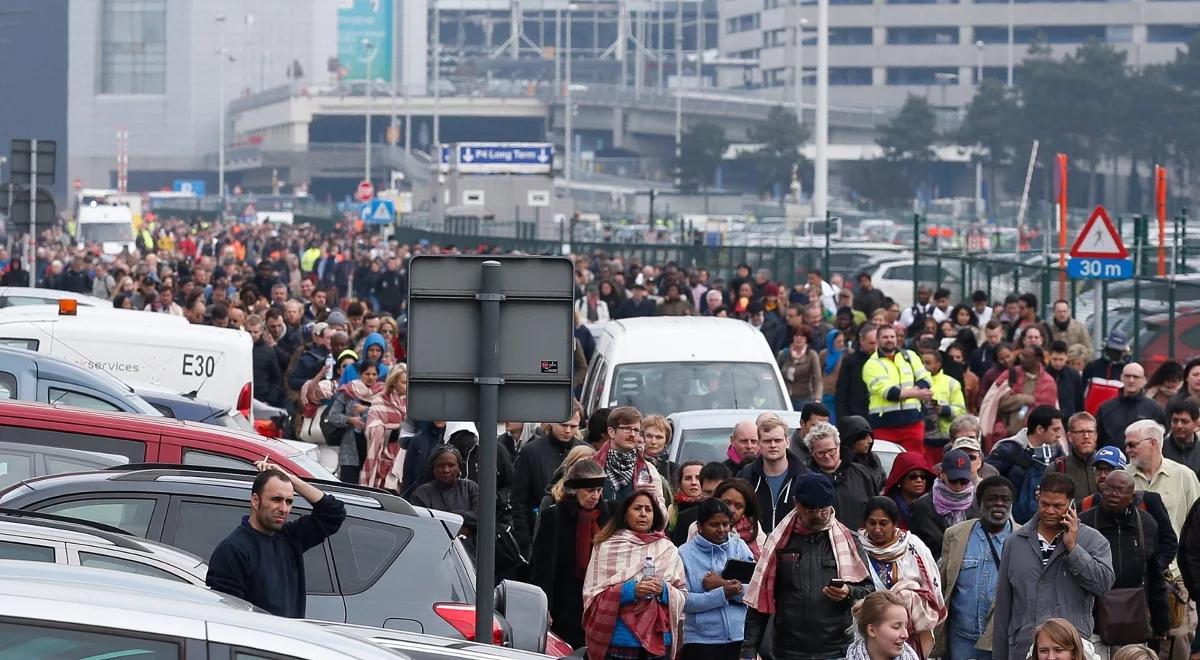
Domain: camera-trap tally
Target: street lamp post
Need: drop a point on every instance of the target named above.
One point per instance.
(221, 107)
(369, 54)
(979, 62)
(798, 78)
(821, 165)
(1010, 43)
(568, 108)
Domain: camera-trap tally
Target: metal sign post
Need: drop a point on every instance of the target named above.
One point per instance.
(460, 302)
(31, 259)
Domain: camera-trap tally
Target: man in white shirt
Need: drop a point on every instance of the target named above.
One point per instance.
(1176, 484)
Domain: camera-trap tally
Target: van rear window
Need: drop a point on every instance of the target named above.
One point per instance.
(662, 388)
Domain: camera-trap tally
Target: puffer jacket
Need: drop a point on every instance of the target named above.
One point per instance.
(711, 618)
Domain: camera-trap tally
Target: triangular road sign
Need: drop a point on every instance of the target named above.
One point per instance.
(1099, 239)
(381, 213)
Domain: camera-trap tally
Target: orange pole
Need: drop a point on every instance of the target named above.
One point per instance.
(1062, 225)
(1160, 199)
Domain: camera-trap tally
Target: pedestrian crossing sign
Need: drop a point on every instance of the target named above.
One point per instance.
(378, 212)
(1099, 238)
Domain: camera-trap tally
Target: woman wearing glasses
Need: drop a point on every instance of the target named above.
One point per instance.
(949, 502)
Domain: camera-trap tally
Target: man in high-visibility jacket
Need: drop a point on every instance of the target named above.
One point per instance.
(947, 396)
(899, 386)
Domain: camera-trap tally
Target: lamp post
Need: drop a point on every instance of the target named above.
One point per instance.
(1010, 43)
(821, 164)
(369, 56)
(568, 107)
(979, 62)
(798, 78)
(221, 107)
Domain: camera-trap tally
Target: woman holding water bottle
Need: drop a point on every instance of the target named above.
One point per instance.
(635, 587)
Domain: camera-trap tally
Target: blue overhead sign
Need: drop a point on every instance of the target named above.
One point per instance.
(378, 212)
(369, 20)
(192, 186)
(1090, 268)
(504, 157)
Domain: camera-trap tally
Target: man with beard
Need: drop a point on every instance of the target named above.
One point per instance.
(1081, 436)
(262, 561)
(899, 387)
(970, 562)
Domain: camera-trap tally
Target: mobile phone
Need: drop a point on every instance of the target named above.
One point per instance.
(837, 583)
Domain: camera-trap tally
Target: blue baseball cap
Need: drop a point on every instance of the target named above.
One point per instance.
(1110, 456)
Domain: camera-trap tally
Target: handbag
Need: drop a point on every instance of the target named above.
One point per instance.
(312, 429)
(1122, 615)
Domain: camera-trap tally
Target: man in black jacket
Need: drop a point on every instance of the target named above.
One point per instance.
(1132, 534)
(811, 614)
(391, 287)
(262, 561)
(1181, 444)
(268, 379)
(772, 473)
(853, 484)
(852, 395)
(1109, 460)
(534, 466)
(1070, 383)
(1131, 405)
(637, 304)
(307, 364)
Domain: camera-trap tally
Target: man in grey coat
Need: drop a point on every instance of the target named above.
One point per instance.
(1051, 567)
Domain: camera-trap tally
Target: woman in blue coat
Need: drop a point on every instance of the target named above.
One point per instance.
(715, 617)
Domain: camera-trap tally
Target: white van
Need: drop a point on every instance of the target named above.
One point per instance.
(668, 364)
(141, 348)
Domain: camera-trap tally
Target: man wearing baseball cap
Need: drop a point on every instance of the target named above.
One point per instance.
(1105, 462)
(812, 570)
(974, 449)
(949, 502)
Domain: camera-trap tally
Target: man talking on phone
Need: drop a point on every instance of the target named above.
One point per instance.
(810, 572)
(1051, 567)
(262, 561)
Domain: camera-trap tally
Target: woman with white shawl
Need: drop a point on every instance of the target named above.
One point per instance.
(902, 564)
(627, 612)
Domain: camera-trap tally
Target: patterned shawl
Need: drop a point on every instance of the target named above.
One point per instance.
(615, 562)
(761, 593)
(388, 411)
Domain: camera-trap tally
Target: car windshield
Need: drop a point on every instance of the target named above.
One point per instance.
(663, 388)
(106, 232)
(706, 445)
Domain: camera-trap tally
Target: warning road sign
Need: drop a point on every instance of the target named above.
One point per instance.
(378, 212)
(1099, 239)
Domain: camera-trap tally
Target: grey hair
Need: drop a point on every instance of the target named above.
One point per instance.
(965, 420)
(821, 430)
(1147, 427)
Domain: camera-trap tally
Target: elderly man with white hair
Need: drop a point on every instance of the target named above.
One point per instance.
(1175, 483)
(853, 484)
(713, 301)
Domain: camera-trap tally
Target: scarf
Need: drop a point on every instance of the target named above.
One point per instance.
(923, 600)
(889, 553)
(903, 505)
(761, 593)
(359, 390)
(733, 457)
(682, 498)
(858, 650)
(619, 465)
(585, 531)
(384, 457)
(748, 530)
(951, 505)
(832, 355)
(616, 561)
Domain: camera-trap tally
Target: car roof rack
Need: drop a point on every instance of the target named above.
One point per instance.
(114, 535)
(152, 471)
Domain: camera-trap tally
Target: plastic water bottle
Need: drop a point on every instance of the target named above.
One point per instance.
(648, 568)
(329, 362)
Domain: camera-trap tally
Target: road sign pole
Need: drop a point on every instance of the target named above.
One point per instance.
(489, 403)
(31, 261)
(1097, 316)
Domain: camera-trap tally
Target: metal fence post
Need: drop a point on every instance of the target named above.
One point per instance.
(826, 267)
(1183, 218)
(1171, 317)
(916, 255)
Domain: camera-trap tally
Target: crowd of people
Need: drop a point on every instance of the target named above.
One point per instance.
(1043, 505)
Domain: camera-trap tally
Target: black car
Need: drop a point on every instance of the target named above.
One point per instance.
(391, 565)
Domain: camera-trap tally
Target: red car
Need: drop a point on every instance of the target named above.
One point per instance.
(144, 439)
(1156, 340)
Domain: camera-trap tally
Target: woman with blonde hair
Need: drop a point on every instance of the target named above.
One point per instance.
(388, 412)
(1057, 639)
(1135, 652)
(880, 629)
(558, 489)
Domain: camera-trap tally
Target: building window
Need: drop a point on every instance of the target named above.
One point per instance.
(133, 47)
(1172, 33)
(922, 75)
(742, 23)
(1049, 34)
(776, 37)
(910, 36)
(850, 36)
(849, 75)
(922, 2)
(997, 73)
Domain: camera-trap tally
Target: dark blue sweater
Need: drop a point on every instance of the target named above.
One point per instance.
(267, 570)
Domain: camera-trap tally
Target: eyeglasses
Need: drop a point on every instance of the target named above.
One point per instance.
(914, 476)
(1132, 444)
(960, 482)
(629, 429)
(826, 452)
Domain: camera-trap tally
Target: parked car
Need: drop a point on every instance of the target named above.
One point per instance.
(42, 537)
(704, 435)
(429, 647)
(141, 438)
(22, 461)
(50, 611)
(1155, 339)
(895, 278)
(391, 565)
(28, 376)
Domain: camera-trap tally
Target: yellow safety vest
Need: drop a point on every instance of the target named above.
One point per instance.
(948, 391)
(881, 375)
